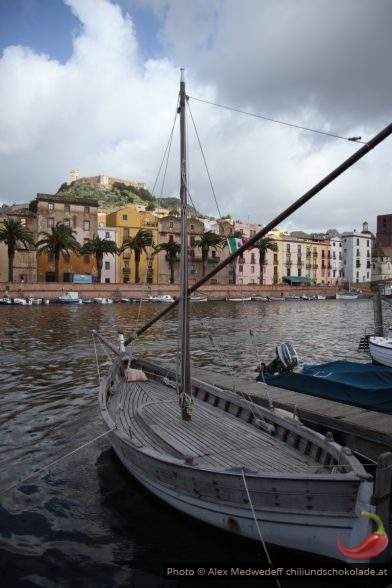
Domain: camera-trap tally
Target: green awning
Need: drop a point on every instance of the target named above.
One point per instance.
(297, 280)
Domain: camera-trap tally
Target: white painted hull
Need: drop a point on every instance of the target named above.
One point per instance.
(297, 530)
(380, 349)
(302, 510)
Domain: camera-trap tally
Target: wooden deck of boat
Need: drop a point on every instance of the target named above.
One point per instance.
(366, 431)
(151, 414)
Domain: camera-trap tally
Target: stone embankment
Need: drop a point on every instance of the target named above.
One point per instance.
(52, 290)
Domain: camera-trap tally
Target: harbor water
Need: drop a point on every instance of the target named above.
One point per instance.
(70, 516)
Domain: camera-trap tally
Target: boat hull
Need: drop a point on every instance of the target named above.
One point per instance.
(310, 532)
(380, 349)
(302, 510)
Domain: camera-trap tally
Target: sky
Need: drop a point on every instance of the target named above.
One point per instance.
(93, 85)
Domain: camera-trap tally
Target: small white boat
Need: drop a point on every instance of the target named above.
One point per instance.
(353, 295)
(22, 301)
(380, 349)
(276, 298)
(199, 298)
(260, 298)
(161, 298)
(5, 300)
(103, 300)
(70, 298)
(246, 299)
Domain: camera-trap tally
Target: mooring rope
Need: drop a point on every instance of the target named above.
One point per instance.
(257, 524)
(56, 461)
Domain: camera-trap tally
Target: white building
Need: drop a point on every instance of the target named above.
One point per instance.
(357, 255)
(336, 259)
(109, 267)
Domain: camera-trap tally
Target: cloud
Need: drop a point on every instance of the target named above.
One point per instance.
(109, 109)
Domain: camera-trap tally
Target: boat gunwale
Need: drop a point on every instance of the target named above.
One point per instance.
(356, 471)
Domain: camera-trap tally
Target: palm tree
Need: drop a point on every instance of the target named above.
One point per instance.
(172, 251)
(263, 245)
(14, 233)
(137, 244)
(208, 240)
(98, 248)
(61, 239)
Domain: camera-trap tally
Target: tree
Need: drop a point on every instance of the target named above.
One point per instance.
(263, 245)
(61, 239)
(98, 248)
(13, 233)
(172, 250)
(207, 241)
(137, 244)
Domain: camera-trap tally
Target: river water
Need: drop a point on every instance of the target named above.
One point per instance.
(83, 521)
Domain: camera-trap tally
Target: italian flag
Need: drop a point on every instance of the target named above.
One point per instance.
(235, 243)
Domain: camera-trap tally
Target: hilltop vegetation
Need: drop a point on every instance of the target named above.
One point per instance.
(117, 196)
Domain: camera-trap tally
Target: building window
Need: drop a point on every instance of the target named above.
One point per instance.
(125, 234)
(67, 222)
(86, 225)
(86, 259)
(125, 217)
(107, 265)
(50, 223)
(50, 258)
(107, 235)
(86, 210)
(67, 208)
(50, 206)
(66, 258)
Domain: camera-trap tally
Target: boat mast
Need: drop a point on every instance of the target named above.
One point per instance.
(184, 384)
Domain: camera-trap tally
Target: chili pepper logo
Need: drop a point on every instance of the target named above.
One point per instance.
(372, 546)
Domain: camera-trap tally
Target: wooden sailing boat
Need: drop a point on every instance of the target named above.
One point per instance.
(220, 458)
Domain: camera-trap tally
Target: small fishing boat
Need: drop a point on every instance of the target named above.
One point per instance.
(195, 298)
(357, 384)
(6, 300)
(103, 300)
(165, 298)
(70, 298)
(239, 299)
(258, 298)
(218, 457)
(276, 298)
(352, 295)
(380, 349)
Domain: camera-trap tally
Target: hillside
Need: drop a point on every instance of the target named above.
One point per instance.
(119, 195)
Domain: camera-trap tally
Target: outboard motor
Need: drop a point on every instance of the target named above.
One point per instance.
(286, 360)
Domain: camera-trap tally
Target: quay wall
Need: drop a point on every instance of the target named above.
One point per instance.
(52, 290)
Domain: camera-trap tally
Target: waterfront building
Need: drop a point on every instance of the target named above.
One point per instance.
(384, 234)
(336, 275)
(247, 265)
(109, 262)
(169, 232)
(25, 261)
(357, 255)
(80, 215)
(128, 221)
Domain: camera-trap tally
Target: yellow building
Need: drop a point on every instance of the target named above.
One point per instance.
(129, 221)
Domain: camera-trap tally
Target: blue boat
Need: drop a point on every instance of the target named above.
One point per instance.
(357, 384)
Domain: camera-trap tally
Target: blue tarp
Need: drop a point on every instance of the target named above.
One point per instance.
(358, 384)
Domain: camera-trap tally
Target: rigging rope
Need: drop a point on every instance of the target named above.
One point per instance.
(257, 524)
(352, 139)
(56, 461)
